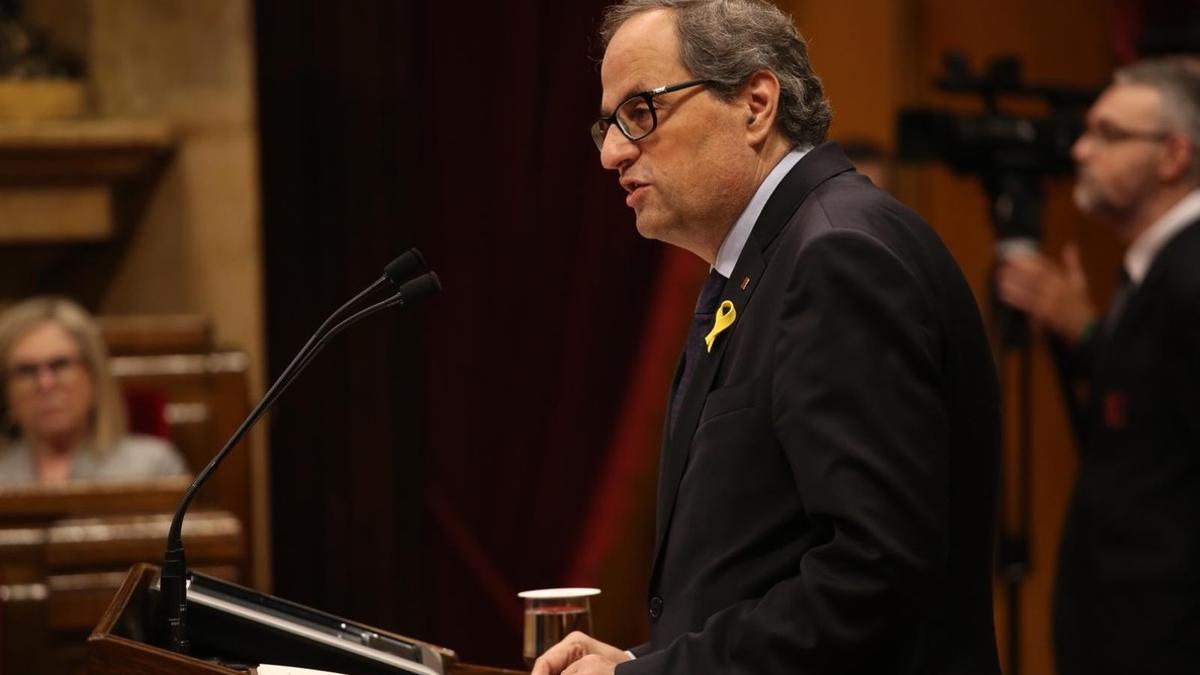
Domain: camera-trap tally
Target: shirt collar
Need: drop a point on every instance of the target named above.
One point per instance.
(735, 241)
(1141, 253)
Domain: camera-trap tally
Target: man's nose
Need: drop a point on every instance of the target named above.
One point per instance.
(617, 151)
(1081, 148)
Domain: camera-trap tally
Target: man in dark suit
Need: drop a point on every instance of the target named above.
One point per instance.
(1127, 596)
(827, 478)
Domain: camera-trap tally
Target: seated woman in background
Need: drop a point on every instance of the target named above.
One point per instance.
(63, 416)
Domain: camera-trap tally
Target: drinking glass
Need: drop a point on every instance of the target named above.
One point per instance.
(552, 613)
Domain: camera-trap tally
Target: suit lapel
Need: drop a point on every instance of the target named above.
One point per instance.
(1165, 262)
(1110, 386)
(819, 165)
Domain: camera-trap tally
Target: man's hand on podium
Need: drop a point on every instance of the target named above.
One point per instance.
(579, 654)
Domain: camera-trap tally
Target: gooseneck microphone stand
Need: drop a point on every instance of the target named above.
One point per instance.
(408, 271)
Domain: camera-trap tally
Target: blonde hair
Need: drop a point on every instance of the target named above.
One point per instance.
(107, 419)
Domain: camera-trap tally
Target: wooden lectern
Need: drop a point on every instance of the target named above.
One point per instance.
(126, 641)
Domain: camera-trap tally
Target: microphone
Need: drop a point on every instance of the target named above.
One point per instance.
(173, 580)
(406, 266)
(416, 289)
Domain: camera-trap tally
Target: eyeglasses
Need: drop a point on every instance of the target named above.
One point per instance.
(636, 117)
(1111, 134)
(61, 368)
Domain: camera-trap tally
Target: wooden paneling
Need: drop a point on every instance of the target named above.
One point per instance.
(55, 214)
(206, 399)
(58, 574)
(857, 50)
(189, 241)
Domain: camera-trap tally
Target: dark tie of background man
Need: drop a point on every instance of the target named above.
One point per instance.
(1125, 290)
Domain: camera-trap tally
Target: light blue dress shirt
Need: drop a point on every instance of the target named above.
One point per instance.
(735, 241)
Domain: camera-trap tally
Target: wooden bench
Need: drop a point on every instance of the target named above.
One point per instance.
(61, 563)
(64, 549)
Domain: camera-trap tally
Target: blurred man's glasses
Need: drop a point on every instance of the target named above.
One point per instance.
(61, 368)
(1111, 134)
(635, 117)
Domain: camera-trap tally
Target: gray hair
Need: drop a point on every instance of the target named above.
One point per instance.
(727, 41)
(1177, 80)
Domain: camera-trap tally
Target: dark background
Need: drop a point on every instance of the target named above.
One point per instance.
(436, 460)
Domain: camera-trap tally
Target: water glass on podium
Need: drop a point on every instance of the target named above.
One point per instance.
(552, 613)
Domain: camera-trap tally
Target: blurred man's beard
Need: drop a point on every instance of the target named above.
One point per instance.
(1084, 197)
(1091, 200)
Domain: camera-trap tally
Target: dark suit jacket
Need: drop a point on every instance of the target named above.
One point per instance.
(826, 500)
(1127, 597)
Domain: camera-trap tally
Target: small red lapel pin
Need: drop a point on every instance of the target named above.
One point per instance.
(1114, 410)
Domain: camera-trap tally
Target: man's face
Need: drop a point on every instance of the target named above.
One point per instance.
(1117, 157)
(688, 180)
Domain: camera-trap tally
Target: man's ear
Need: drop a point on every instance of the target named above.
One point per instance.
(1178, 156)
(760, 96)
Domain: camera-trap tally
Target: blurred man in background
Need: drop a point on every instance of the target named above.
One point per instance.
(1127, 597)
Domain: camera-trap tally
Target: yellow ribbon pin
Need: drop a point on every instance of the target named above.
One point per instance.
(726, 313)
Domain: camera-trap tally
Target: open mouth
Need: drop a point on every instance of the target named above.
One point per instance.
(635, 189)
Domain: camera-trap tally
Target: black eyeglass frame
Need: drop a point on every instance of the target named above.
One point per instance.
(601, 126)
(31, 371)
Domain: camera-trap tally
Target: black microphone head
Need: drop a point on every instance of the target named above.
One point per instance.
(406, 266)
(423, 286)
